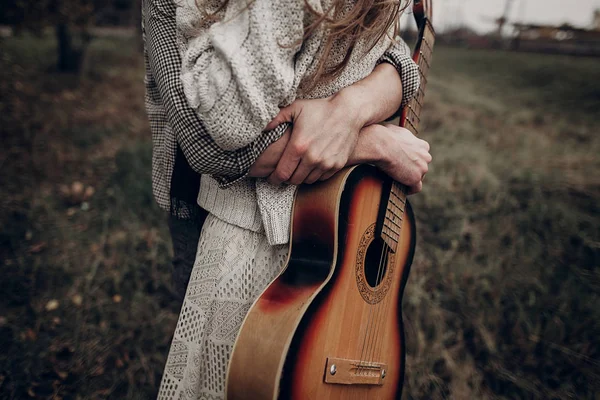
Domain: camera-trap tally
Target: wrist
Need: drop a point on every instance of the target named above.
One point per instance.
(374, 98)
(353, 101)
(370, 148)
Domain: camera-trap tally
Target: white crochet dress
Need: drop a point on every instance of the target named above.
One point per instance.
(233, 265)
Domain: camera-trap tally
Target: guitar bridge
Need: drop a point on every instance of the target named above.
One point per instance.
(352, 372)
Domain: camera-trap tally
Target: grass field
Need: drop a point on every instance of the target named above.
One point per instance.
(503, 299)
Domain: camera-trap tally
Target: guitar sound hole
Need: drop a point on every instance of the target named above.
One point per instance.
(376, 262)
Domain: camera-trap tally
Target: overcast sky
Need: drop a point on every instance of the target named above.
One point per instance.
(479, 14)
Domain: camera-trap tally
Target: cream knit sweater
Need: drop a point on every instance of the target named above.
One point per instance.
(239, 71)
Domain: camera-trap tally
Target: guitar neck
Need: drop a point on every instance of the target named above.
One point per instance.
(422, 56)
(411, 117)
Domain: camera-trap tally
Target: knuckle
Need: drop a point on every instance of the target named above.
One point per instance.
(282, 175)
(327, 164)
(300, 148)
(311, 158)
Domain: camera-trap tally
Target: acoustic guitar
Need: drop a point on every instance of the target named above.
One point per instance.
(330, 325)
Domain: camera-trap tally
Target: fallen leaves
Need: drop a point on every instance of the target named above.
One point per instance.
(52, 305)
(29, 334)
(77, 300)
(37, 248)
(76, 193)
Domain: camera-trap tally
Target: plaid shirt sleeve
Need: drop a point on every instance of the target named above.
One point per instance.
(399, 56)
(163, 63)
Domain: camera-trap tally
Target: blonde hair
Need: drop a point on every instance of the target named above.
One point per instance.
(368, 20)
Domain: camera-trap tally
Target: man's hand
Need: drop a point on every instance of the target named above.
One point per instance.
(325, 131)
(396, 151)
(266, 163)
(324, 134)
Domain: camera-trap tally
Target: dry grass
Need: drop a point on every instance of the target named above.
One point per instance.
(502, 301)
(503, 297)
(87, 306)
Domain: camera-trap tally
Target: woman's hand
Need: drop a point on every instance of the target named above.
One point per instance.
(324, 134)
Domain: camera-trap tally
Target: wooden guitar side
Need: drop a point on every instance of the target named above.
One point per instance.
(313, 310)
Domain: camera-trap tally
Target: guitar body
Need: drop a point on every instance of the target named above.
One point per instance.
(330, 326)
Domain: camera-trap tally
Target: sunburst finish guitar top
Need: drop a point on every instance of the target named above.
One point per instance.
(330, 325)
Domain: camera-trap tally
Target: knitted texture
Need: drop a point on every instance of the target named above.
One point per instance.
(232, 267)
(174, 123)
(239, 71)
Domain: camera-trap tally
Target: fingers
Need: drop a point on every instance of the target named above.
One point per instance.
(289, 161)
(312, 169)
(327, 175)
(305, 160)
(315, 175)
(325, 170)
(300, 169)
(414, 189)
(303, 170)
(286, 114)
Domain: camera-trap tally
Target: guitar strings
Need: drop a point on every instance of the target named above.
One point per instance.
(377, 312)
(423, 70)
(380, 317)
(382, 311)
(379, 347)
(385, 306)
(372, 338)
(372, 314)
(372, 318)
(368, 325)
(385, 310)
(379, 305)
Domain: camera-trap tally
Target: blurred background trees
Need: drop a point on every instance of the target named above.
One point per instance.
(71, 21)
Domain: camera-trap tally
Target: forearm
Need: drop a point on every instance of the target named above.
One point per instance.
(369, 147)
(376, 97)
(391, 85)
(164, 92)
(237, 71)
(368, 150)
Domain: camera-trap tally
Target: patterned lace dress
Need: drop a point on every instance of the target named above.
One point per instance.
(233, 266)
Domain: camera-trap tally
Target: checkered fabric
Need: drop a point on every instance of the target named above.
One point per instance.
(399, 55)
(175, 125)
(173, 122)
